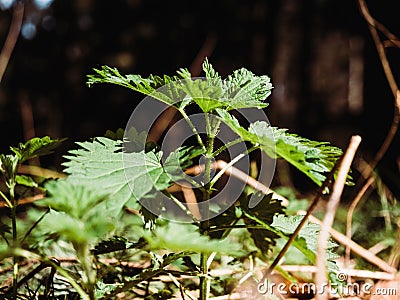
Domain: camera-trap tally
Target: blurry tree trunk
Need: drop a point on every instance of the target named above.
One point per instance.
(287, 62)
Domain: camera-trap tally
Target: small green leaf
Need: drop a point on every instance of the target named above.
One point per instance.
(77, 211)
(242, 89)
(169, 94)
(8, 167)
(35, 147)
(117, 135)
(185, 237)
(307, 239)
(26, 181)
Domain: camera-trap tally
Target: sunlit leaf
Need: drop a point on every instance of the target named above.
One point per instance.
(314, 159)
(186, 237)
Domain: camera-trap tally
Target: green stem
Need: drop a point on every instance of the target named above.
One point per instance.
(205, 225)
(14, 204)
(226, 146)
(181, 206)
(6, 199)
(194, 130)
(88, 270)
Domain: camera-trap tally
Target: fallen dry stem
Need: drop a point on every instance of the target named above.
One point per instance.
(333, 203)
(356, 248)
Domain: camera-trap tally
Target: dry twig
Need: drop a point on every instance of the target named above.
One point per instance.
(332, 205)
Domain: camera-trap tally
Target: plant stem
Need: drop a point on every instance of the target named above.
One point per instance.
(88, 270)
(205, 225)
(13, 207)
(194, 130)
(181, 206)
(226, 146)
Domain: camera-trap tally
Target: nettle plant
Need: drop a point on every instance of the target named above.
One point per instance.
(107, 211)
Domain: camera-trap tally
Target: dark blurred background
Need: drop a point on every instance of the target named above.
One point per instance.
(327, 77)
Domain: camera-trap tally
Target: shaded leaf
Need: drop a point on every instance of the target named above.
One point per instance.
(265, 210)
(117, 243)
(26, 181)
(35, 147)
(8, 167)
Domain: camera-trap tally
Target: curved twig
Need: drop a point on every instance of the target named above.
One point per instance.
(373, 25)
(367, 174)
(12, 37)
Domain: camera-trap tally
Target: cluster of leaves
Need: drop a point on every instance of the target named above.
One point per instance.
(105, 175)
(242, 89)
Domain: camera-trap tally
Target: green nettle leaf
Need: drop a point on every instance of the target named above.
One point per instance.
(307, 239)
(147, 86)
(186, 237)
(265, 211)
(76, 210)
(117, 243)
(8, 167)
(314, 159)
(242, 89)
(35, 147)
(205, 94)
(127, 177)
(26, 181)
(117, 135)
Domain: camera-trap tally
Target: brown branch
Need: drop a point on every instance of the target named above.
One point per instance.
(235, 172)
(26, 200)
(331, 208)
(373, 25)
(12, 37)
(357, 249)
(392, 39)
(39, 171)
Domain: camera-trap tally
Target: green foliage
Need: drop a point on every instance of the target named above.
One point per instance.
(77, 210)
(185, 237)
(242, 89)
(35, 147)
(117, 243)
(308, 233)
(314, 159)
(265, 211)
(8, 166)
(146, 86)
(126, 177)
(107, 174)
